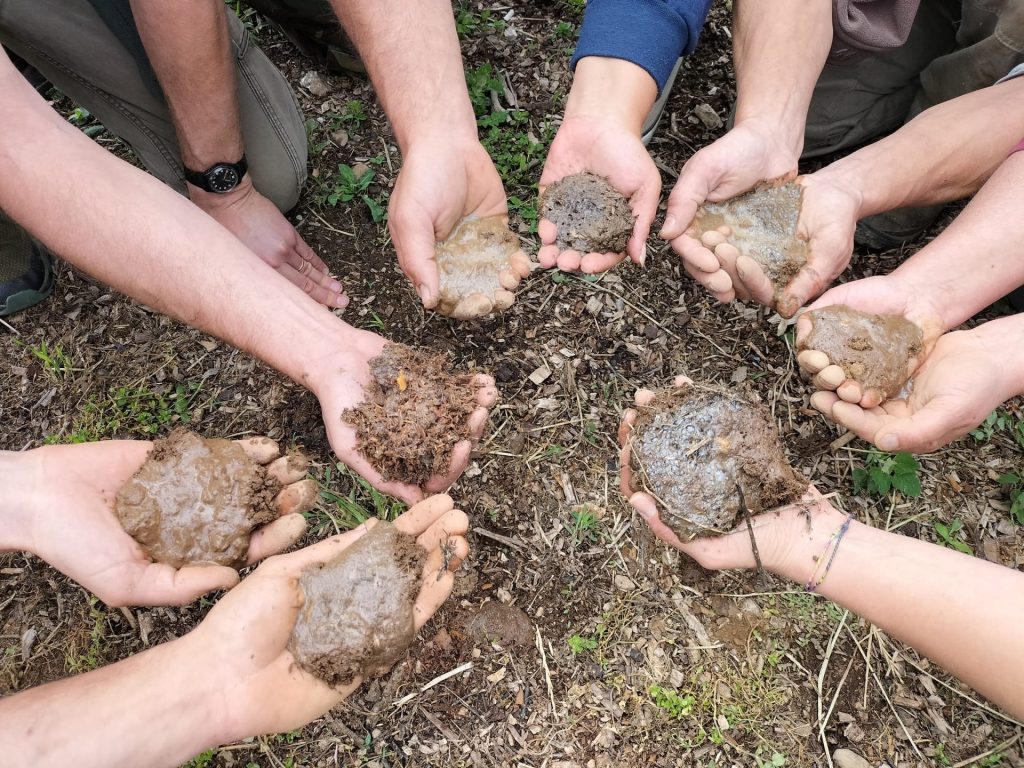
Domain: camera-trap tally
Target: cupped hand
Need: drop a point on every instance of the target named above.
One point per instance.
(879, 295)
(243, 642)
(604, 147)
(748, 154)
(961, 381)
(443, 180)
(262, 228)
(76, 530)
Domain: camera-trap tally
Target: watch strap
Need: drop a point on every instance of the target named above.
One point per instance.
(200, 178)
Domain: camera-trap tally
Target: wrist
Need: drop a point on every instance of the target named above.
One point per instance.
(1003, 342)
(804, 533)
(191, 694)
(846, 180)
(341, 355)
(784, 142)
(612, 90)
(451, 126)
(19, 477)
(210, 202)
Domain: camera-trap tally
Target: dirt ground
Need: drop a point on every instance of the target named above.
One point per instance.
(640, 658)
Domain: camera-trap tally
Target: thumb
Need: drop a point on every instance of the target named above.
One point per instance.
(802, 288)
(922, 432)
(413, 235)
(687, 196)
(645, 205)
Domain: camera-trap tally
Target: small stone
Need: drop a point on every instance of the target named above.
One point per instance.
(854, 733)
(707, 115)
(340, 138)
(28, 639)
(845, 758)
(594, 305)
(624, 583)
(359, 170)
(315, 83)
(540, 375)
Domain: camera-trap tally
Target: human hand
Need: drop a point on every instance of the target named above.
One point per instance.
(964, 378)
(75, 529)
(748, 154)
(243, 642)
(443, 180)
(879, 295)
(342, 387)
(258, 223)
(605, 147)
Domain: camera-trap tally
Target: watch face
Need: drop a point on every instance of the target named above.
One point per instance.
(223, 178)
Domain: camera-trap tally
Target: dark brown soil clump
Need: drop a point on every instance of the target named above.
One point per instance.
(357, 616)
(495, 622)
(415, 412)
(874, 350)
(471, 259)
(196, 501)
(590, 214)
(694, 446)
(764, 227)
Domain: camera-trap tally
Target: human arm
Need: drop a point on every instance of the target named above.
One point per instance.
(774, 85)
(128, 230)
(231, 678)
(189, 46)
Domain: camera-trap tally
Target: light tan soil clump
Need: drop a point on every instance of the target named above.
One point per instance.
(874, 350)
(472, 258)
(414, 413)
(357, 616)
(763, 224)
(196, 501)
(693, 446)
(590, 214)
(495, 622)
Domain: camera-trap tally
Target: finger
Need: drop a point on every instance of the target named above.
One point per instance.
(547, 255)
(521, 264)
(472, 306)
(862, 422)
(626, 452)
(850, 391)
(290, 468)
(682, 380)
(755, 281)
(502, 300)
(435, 590)
(712, 239)
(162, 584)
(823, 402)
(921, 432)
(295, 562)
(592, 263)
(275, 537)
(310, 285)
(718, 284)
(811, 361)
(643, 397)
(509, 279)
(696, 255)
(419, 517)
(569, 260)
(486, 393)
(806, 285)
(644, 203)
(262, 450)
(727, 254)
(460, 460)
(871, 398)
(804, 326)
(547, 231)
(477, 421)
(647, 508)
(308, 254)
(687, 196)
(414, 238)
(454, 522)
(298, 497)
(406, 492)
(830, 377)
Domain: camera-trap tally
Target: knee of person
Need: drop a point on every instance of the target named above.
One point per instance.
(281, 185)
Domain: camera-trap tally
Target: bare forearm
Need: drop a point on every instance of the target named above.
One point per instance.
(150, 709)
(944, 154)
(955, 609)
(189, 47)
(412, 53)
(611, 89)
(780, 49)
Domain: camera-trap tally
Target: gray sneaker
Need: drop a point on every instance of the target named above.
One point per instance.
(654, 117)
(26, 269)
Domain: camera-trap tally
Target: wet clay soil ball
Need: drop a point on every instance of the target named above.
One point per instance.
(414, 413)
(357, 617)
(196, 501)
(874, 350)
(694, 446)
(590, 214)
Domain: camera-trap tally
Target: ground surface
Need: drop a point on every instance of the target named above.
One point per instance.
(639, 657)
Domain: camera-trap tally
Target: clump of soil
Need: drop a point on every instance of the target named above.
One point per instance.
(357, 613)
(694, 446)
(590, 214)
(495, 622)
(414, 413)
(762, 225)
(874, 350)
(471, 259)
(196, 501)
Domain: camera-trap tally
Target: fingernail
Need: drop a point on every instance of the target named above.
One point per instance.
(670, 221)
(341, 302)
(423, 292)
(643, 255)
(335, 286)
(888, 442)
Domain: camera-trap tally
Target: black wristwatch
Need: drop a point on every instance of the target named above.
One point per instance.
(218, 178)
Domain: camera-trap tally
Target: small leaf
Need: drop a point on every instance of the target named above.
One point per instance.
(908, 484)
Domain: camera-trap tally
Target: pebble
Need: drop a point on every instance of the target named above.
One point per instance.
(707, 115)
(624, 583)
(315, 83)
(845, 758)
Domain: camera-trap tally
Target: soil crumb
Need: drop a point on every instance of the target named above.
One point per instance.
(763, 227)
(414, 413)
(357, 615)
(495, 622)
(196, 501)
(874, 350)
(694, 446)
(471, 259)
(590, 214)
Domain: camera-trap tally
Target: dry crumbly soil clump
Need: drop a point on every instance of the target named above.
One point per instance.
(196, 501)
(874, 350)
(472, 258)
(590, 214)
(762, 224)
(357, 618)
(694, 446)
(414, 413)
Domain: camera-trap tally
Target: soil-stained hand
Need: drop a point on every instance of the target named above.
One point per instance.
(442, 181)
(243, 642)
(78, 533)
(960, 382)
(880, 295)
(258, 223)
(732, 165)
(604, 148)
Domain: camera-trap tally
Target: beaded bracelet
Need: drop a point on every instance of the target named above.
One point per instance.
(833, 543)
